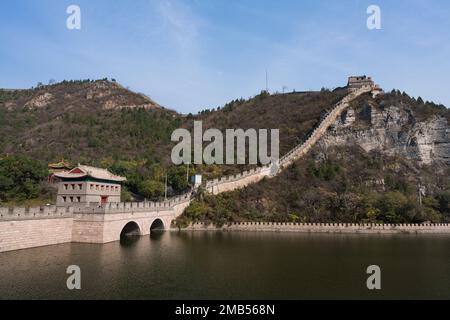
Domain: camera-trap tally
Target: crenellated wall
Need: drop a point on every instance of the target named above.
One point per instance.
(327, 228)
(35, 213)
(322, 129)
(135, 206)
(22, 228)
(230, 183)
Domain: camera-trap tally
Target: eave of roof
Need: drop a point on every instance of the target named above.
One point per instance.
(96, 173)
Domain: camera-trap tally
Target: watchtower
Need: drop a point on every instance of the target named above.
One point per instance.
(357, 82)
(83, 185)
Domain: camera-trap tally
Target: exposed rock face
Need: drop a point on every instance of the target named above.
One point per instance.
(349, 118)
(40, 101)
(392, 130)
(111, 104)
(81, 94)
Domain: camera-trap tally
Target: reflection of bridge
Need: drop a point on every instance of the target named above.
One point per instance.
(33, 227)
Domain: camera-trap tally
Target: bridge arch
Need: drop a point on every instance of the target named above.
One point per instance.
(157, 224)
(130, 229)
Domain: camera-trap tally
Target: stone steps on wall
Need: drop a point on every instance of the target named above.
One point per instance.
(231, 183)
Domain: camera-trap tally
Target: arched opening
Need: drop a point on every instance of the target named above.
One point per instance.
(131, 229)
(157, 225)
(156, 229)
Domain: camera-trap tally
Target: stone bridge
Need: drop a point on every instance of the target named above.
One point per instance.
(22, 228)
(102, 224)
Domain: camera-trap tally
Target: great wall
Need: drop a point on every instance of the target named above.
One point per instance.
(22, 228)
(242, 180)
(367, 228)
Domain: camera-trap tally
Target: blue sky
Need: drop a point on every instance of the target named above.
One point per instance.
(193, 54)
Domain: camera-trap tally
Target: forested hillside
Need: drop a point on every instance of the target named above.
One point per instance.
(101, 123)
(132, 139)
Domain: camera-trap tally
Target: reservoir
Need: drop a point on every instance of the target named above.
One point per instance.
(234, 265)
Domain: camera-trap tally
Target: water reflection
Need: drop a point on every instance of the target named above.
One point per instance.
(156, 235)
(216, 265)
(129, 240)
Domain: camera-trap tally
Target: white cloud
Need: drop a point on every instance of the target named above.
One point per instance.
(181, 25)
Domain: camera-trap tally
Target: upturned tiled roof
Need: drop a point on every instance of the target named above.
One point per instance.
(82, 171)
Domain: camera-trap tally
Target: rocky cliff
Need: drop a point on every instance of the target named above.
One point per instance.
(394, 128)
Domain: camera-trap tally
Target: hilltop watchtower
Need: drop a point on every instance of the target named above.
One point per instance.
(357, 82)
(83, 185)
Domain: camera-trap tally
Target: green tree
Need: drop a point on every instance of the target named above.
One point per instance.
(151, 189)
(177, 178)
(21, 178)
(393, 205)
(125, 195)
(444, 202)
(197, 210)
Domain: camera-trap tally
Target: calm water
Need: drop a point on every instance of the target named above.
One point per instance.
(233, 266)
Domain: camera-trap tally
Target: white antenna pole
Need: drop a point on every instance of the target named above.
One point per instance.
(267, 82)
(187, 173)
(420, 194)
(165, 190)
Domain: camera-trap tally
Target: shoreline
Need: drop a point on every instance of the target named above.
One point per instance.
(343, 228)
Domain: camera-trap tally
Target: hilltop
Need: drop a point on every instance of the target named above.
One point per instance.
(91, 94)
(83, 121)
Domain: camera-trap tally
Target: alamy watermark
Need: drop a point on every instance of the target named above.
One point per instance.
(374, 19)
(236, 139)
(73, 22)
(74, 280)
(374, 280)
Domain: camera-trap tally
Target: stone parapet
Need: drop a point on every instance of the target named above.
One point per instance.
(35, 213)
(236, 177)
(53, 212)
(127, 207)
(327, 227)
